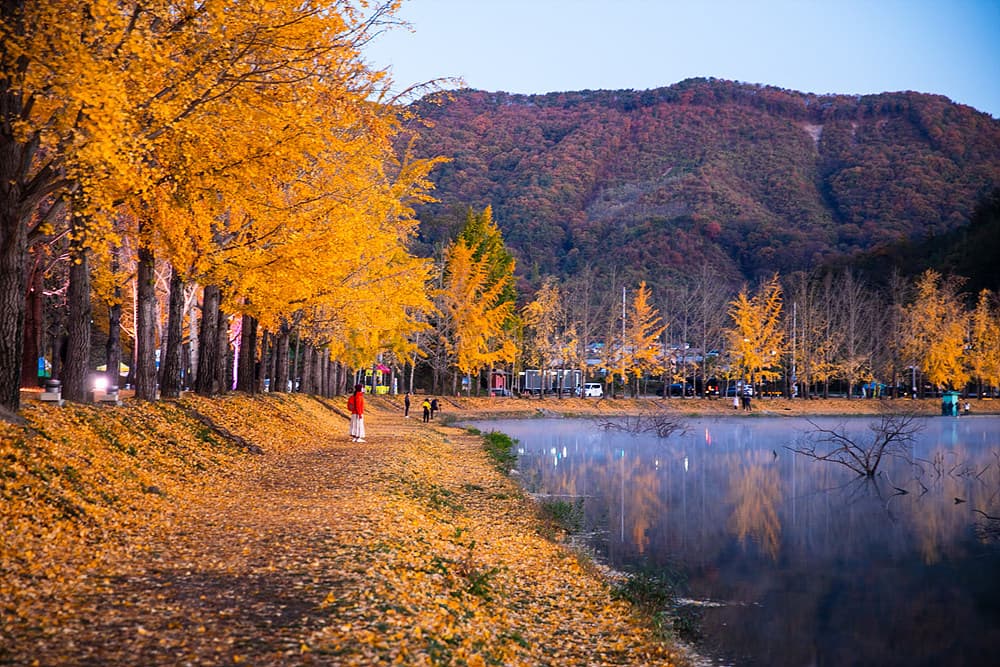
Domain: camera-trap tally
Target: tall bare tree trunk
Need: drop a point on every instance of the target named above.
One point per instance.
(280, 381)
(15, 161)
(208, 350)
(33, 325)
(194, 342)
(245, 375)
(413, 370)
(265, 361)
(308, 364)
(224, 381)
(317, 381)
(320, 370)
(324, 367)
(170, 365)
(113, 346)
(297, 381)
(145, 326)
(74, 374)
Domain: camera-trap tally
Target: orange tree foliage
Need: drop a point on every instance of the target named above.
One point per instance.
(757, 339)
(543, 318)
(935, 331)
(984, 345)
(284, 185)
(472, 314)
(248, 142)
(643, 329)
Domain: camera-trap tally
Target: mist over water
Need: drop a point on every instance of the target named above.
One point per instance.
(802, 561)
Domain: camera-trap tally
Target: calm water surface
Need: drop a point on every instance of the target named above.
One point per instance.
(808, 564)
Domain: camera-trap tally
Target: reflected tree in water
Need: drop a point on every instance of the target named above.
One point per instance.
(755, 494)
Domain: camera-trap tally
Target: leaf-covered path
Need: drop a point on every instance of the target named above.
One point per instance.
(407, 549)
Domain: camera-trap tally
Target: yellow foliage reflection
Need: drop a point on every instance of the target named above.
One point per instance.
(754, 493)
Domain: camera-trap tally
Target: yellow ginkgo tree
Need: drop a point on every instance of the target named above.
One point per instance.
(471, 316)
(935, 330)
(984, 344)
(543, 319)
(643, 351)
(757, 337)
(236, 141)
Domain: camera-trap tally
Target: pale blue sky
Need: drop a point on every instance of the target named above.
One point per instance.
(948, 47)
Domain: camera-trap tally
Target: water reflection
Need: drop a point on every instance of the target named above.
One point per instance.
(813, 565)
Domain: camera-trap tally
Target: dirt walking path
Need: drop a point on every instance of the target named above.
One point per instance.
(407, 549)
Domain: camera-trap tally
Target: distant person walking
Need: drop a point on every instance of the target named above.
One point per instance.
(356, 406)
(426, 405)
(434, 407)
(406, 405)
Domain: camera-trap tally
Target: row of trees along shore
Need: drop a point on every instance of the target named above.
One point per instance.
(816, 330)
(811, 329)
(242, 156)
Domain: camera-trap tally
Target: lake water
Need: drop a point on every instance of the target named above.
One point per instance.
(795, 561)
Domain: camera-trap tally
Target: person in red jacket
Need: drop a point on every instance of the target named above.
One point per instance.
(356, 405)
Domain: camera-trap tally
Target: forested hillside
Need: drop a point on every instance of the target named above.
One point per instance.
(742, 178)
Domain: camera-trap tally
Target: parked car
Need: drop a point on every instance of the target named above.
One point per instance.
(500, 391)
(678, 389)
(593, 390)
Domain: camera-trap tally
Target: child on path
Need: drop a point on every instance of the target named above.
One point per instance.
(356, 406)
(426, 405)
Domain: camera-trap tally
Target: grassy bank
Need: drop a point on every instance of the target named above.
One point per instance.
(252, 530)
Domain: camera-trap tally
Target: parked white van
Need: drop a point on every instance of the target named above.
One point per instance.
(593, 389)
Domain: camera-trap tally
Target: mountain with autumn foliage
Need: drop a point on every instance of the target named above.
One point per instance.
(743, 179)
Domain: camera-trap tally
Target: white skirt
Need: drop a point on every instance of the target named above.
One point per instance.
(357, 426)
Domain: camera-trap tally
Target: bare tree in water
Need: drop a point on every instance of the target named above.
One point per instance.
(891, 435)
(660, 423)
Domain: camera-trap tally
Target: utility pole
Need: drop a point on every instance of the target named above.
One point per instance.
(623, 341)
(792, 392)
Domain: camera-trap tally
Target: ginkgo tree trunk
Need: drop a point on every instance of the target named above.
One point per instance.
(171, 363)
